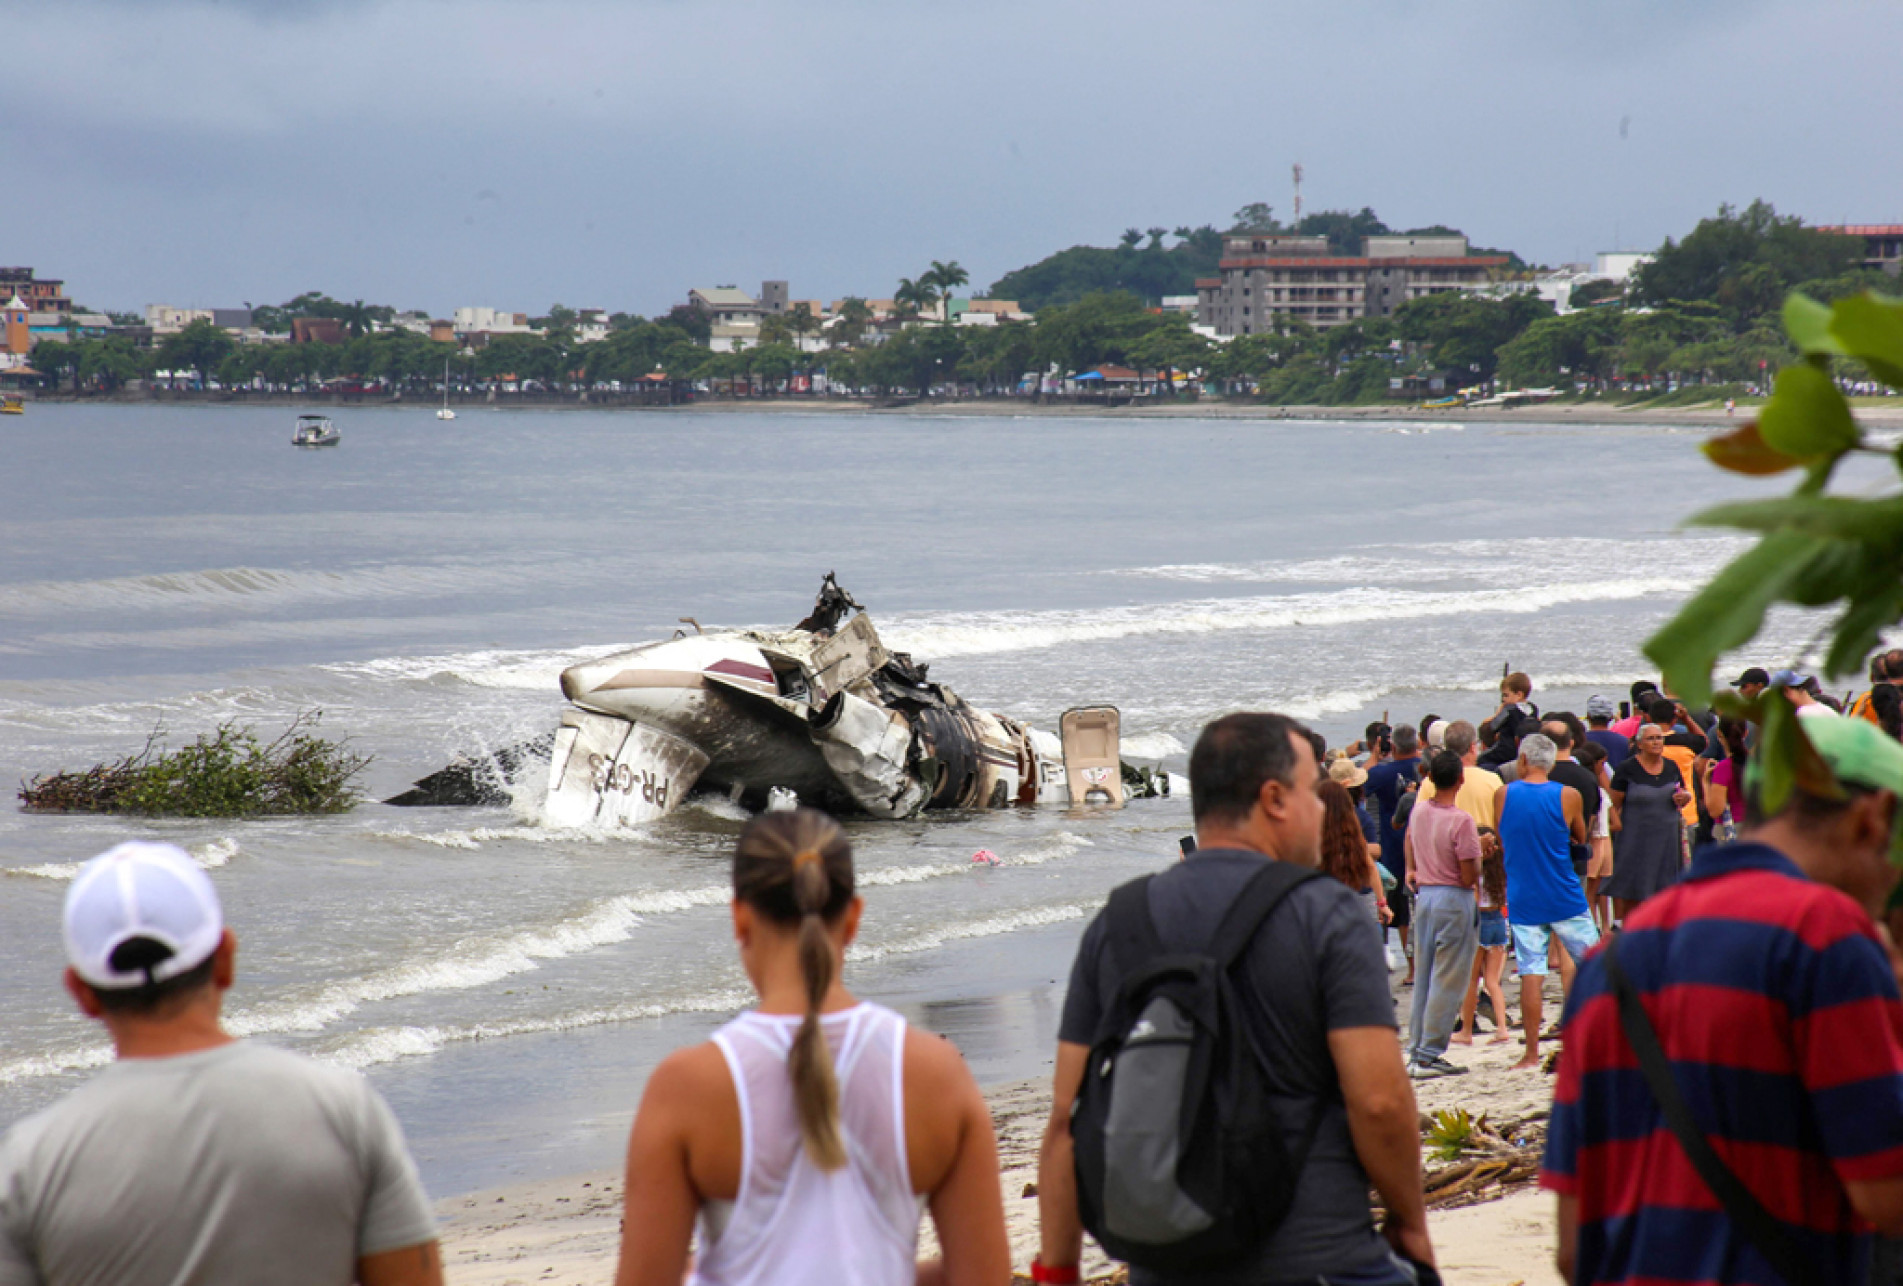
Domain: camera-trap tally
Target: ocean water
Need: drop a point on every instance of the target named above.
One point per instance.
(509, 984)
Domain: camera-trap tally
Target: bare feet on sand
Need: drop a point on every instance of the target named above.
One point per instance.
(1462, 1039)
(1532, 1059)
(1504, 1038)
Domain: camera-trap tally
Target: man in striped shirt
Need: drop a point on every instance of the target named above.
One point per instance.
(1776, 1003)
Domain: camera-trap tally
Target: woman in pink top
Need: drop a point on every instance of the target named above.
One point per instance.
(1724, 783)
(810, 1133)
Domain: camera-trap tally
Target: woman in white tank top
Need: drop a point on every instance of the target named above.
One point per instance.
(810, 1133)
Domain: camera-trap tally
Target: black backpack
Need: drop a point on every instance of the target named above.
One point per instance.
(1181, 1162)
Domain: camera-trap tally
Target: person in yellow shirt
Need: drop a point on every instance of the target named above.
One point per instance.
(1477, 784)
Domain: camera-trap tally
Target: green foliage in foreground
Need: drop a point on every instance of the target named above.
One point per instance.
(1815, 550)
(226, 774)
(1452, 1131)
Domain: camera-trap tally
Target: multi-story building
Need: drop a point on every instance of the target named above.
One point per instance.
(167, 320)
(39, 294)
(1882, 246)
(591, 325)
(1270, 280)
(491, 321)
(163, 319)
(734, 315)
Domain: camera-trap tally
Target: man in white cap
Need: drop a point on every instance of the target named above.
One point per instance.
(196, 1157)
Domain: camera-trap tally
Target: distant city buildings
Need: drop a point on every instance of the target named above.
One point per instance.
(317, 330)
(39, 294)
(1269, 280)
(734, 316)
(490, 321)
(1615, 266)
(164, 319)
(1882, 245)
(1266, 281)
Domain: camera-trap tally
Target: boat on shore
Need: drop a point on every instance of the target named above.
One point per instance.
(315, 431)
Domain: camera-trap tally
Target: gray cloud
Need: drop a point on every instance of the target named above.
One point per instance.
(434, 154)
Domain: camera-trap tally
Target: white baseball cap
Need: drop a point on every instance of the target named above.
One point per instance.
(141, 890)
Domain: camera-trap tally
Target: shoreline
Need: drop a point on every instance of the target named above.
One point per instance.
(1549, 414)
(566, 1231)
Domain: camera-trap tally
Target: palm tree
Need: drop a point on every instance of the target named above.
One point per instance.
(945, 278)
(849, 325)
(355, 317)
(914, 297)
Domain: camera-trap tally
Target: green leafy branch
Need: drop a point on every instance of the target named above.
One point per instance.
(228, 773)
(1814, 549)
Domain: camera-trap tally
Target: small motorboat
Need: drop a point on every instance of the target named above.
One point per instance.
(315, 431)
(12, 404)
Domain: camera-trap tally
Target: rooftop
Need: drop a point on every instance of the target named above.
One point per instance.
(725, 296)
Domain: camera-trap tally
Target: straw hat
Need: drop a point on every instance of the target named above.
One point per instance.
(1347, 773)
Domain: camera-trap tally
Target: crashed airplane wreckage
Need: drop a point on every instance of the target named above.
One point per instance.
(823, 711)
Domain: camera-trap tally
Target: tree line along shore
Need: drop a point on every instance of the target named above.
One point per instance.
(1698, 323)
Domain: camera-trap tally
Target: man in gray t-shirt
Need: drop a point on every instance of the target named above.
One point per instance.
(1316, 1001)
(196, 1157)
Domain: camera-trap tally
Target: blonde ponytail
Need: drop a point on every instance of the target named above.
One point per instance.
(795, 867)
(815, 1087)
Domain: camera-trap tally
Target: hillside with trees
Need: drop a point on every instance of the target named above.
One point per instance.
(1141, 264)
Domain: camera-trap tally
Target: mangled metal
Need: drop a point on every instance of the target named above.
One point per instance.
(823, 711)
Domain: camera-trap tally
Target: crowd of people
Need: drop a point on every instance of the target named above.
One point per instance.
(1231, 1075)
(1622, 799)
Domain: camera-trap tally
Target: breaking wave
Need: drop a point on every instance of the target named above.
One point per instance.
(211, 856)
(990, 927)
(480, 962)
(373, 1046)
(985, 633)
(531, 671)
(471, 964)
(1152, 745)
(56, 1062)
(379, 1045)
(1544, 558)
(1346, 699)
(263, 588)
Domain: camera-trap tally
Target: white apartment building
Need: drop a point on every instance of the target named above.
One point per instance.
(491, 321)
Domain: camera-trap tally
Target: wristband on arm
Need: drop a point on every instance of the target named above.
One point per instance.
(1067, 1275)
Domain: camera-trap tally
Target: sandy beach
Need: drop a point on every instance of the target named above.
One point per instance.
(566, 1231)
(1545, 415)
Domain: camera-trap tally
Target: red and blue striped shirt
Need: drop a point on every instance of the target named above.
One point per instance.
(1777, 1006)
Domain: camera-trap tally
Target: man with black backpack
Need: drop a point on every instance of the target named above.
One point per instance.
(1229, 1079)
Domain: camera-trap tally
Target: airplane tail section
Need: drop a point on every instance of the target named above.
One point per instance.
(1093, 766)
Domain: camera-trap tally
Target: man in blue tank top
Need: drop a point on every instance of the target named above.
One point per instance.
(1539, 820)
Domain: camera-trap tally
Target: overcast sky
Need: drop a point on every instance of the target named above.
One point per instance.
(615, 153)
